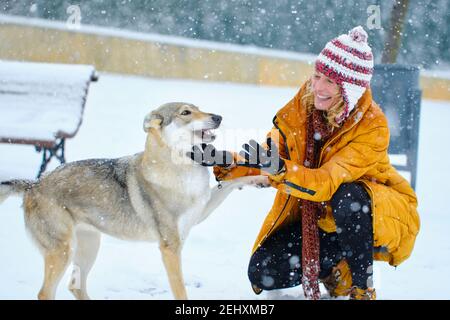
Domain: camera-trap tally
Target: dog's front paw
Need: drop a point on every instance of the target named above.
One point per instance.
(260, 182)
(239, 183)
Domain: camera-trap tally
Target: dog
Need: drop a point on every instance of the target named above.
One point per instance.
(157, 195)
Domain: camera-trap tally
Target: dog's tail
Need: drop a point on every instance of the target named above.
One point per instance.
(14, 187)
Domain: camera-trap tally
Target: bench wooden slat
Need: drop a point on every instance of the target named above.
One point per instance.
(37, 143)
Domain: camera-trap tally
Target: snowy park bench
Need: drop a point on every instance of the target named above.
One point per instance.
(42, 105)
(396, 89)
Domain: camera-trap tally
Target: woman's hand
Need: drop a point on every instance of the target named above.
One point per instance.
(207, 156)
(255, 156)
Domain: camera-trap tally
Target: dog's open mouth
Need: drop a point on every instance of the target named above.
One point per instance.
(207, 135)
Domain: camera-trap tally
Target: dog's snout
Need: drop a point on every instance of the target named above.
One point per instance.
(216, 118)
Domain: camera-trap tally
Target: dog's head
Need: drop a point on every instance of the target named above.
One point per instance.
(183, 124)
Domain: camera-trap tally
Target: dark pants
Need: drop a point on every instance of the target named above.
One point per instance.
(277, 263)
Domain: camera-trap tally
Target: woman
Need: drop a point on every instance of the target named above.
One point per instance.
(340, 203)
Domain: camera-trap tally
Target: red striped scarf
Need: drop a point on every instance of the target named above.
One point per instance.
(318, 132)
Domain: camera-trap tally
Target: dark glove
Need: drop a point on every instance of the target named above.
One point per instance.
(206, 155)
(257, 157)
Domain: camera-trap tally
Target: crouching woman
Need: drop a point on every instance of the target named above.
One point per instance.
(340, 203)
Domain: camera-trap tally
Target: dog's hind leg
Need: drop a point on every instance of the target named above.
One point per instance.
(56, 262)
(171, 254)
(52, 231)
(87, 245)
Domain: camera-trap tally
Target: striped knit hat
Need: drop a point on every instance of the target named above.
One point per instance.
(348, 61)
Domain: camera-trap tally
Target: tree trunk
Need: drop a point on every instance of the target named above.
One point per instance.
(394, 36)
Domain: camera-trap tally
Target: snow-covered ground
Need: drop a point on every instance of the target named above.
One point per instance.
(216, 253)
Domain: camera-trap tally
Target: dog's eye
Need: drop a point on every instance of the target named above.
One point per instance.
(185, 113)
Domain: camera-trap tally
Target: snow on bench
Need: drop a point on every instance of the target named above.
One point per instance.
(42, 104)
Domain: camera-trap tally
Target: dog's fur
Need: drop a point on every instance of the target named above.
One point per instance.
(156, 195)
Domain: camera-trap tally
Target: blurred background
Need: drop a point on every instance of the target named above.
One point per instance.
(294, 25)
(247, 41)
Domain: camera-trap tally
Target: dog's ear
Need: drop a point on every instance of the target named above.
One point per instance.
(153, 120)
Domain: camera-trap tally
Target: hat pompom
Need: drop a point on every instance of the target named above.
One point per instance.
(358, 34)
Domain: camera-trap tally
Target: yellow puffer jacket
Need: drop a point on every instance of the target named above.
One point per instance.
(357, 152)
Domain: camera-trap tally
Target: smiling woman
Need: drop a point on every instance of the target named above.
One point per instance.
(340, 203)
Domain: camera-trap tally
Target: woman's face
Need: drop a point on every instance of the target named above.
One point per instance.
(325, 91)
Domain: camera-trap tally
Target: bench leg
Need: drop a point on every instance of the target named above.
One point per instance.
(48, 153)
